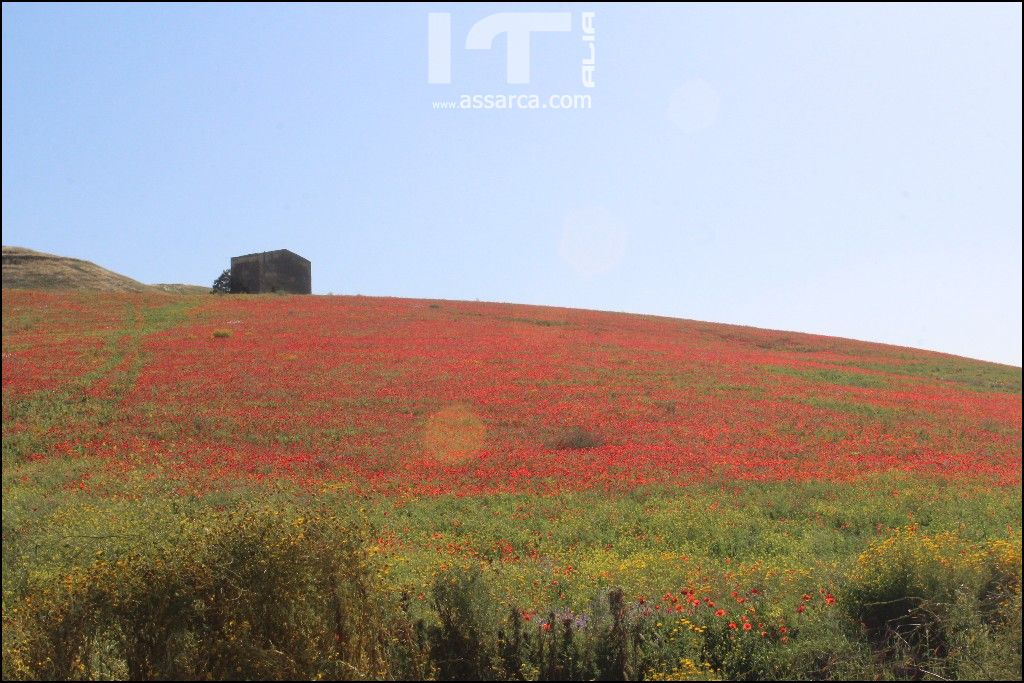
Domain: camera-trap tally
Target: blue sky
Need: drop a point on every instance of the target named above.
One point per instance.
(850, 170)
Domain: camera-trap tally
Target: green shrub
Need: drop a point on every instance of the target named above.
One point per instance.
(462, 643)
(265, 594)
(222, 285)
(937, 603)
(573, 438)
(251, 594)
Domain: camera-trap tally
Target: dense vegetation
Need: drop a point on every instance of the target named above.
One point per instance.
(345, 487)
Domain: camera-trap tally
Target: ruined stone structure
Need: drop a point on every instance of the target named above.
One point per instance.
(271, 271)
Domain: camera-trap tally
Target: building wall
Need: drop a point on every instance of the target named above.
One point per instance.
(271, 271)
(245, 274)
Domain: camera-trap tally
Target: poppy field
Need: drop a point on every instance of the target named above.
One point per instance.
(353, 487)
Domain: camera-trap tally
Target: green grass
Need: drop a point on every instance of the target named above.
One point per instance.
(975, 376)
(102, 554)
(864, 410)
(823, 376)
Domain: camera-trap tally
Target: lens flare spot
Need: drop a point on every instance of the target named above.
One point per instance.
(454, 434)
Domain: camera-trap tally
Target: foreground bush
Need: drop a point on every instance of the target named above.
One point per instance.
(254, 594)
(260, 594)
(939, 605)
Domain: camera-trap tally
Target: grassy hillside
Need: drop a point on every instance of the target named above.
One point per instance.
(385, 487)
(28, 269)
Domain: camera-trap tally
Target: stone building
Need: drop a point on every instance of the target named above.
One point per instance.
(271, 271)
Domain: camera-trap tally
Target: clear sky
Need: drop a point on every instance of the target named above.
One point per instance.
(849, 170)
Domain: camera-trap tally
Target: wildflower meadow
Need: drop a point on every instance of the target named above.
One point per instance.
(328, 487)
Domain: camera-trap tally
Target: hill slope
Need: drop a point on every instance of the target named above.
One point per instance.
(28, 269)
(367, 387)
(793, 499)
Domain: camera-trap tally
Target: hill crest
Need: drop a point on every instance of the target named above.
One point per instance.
(29, 269)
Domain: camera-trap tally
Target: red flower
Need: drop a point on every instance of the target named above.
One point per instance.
(732, 624)
(800, 609)
(720, 613)
(747, 626)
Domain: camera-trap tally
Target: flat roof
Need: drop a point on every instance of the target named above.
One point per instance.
(274, 252)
